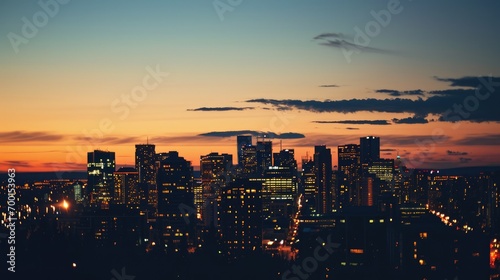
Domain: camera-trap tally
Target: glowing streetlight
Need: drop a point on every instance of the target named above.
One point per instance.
(65, 205)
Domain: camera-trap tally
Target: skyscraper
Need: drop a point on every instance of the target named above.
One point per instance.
(215, 171)
(242, 141)
(100, 168)
(145, 157)
(240, 218)
(308, 185)
(264, 155)
(175, 198)
(349, 174)
(285, 158)
(145, 163)
(249, 161)
(369, 149)
(323, 168)
(279, 192)
(126, 191)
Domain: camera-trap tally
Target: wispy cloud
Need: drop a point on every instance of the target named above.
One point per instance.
(480, 140)
(341, 41)
(29, 136)
(456, 153)
(286, 135)
(465, 160)
(371, 122)
(441, 102)
(16, 163)
(221, 109)
(397, 93)
(411, 120)
(470, 81)
(111, 140)
(329, 86)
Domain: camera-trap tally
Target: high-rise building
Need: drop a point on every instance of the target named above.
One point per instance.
(100, 168)
(126, 190)
(264, 155)
(279, 192)
(175, 199)
(349, 174)
(249, 161)
(369, 149)
(145, 164)
(285, 158)
(308, 186)
(323, 168)
(77, 190)
(240, 218)
(216, 172)
(242, 141)
(383, 169)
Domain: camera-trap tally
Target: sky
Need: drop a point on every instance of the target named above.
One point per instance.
(190, 75)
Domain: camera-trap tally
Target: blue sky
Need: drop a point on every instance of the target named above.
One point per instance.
(92, 52)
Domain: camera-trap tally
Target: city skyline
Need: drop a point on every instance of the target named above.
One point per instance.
(191, 77)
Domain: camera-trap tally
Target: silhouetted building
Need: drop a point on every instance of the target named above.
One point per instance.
(216, 172)
(349, 175)
(145, 164)
(240, 218)
(369, 149)
(242, 141)
(175, 200)
(323, 169)
(100, 168)
(279, 192)
(249, 163)
(308, 186)
(264, 155)
(285, 158)
(126, 191)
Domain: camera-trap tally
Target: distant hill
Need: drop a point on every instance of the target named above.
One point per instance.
(38, 176)
(22, 177)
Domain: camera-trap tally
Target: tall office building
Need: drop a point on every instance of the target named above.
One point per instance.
(145, 164)
(242, 141)
(216, 173)
(369, 149)
(349, 174)
(308, 186)
(383, 169)
(175, 199)
(323, 168)
(249, 161)
(100, 168)
(126, 187)
(240, 218)
(285, 158)
(279, 192)
(264, 155)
